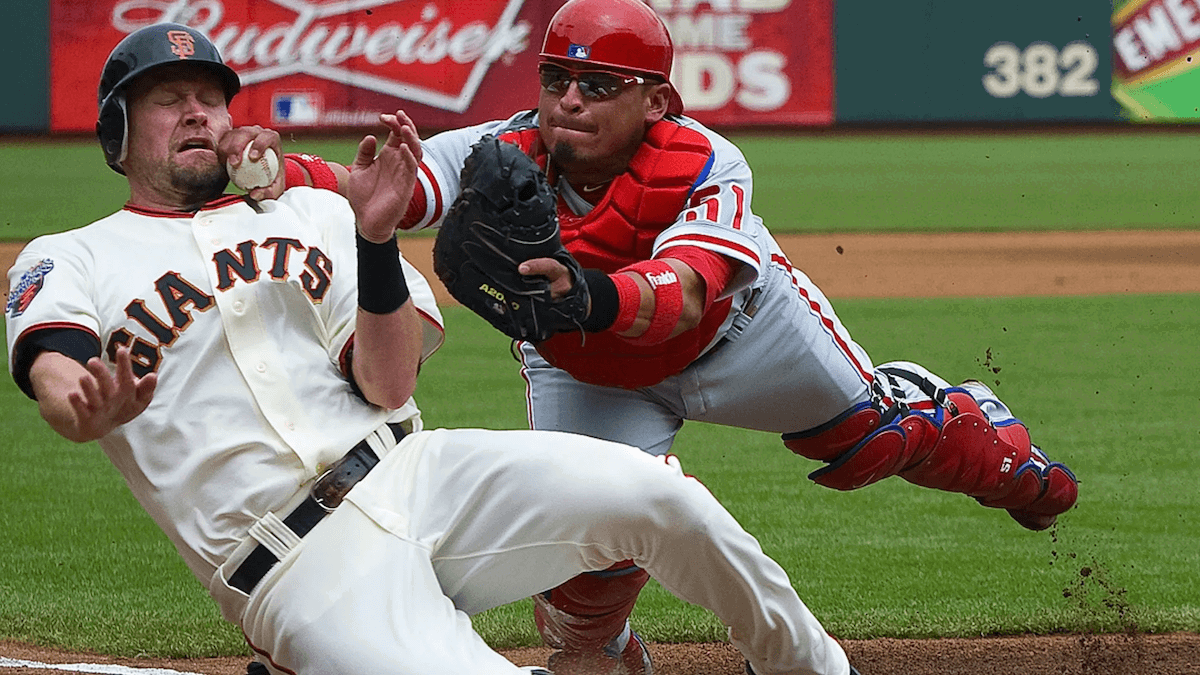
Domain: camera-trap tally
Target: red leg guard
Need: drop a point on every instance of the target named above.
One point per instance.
(962, 452)
(828, 441)
(590, 610)
(969, 456)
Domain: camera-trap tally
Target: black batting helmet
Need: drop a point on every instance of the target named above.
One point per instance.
(140, 51)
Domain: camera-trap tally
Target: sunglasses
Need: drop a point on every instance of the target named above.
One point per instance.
(597, 85)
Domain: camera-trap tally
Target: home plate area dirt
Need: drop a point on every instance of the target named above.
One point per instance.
(880, 266)
(1121, 654)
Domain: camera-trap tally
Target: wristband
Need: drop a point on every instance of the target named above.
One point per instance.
(604, 301)
(381, 285)
(668, 300)
(317, 168)
(629, 302)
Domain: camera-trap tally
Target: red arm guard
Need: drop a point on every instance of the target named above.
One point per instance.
(714, 268)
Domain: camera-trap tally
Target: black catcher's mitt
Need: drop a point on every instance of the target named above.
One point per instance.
(505, 216)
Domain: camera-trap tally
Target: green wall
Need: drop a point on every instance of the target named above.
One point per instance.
(25, 45)
(956, 61)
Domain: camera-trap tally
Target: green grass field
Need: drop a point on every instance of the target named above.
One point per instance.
(1106, 384)
(911, 182)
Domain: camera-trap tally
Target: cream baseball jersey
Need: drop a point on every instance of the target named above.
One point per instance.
(247, 407)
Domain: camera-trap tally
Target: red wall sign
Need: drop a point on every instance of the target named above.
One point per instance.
(448, 63)
(753, 62)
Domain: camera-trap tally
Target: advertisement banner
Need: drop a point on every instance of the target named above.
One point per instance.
(1156, 52)
(752, 62)
(322, 63)
(331, 64)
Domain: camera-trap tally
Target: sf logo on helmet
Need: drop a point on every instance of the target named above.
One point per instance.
(183, 44)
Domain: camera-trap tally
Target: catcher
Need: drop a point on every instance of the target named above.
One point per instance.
(673, 302)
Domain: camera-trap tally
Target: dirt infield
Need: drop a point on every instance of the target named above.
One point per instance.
(958, 264)
(1175, 654)
(881, 266)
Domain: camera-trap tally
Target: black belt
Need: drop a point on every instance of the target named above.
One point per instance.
(326, 494)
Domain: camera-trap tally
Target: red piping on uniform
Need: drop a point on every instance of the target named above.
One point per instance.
(708, 239)
(827, 322)
(437, 193)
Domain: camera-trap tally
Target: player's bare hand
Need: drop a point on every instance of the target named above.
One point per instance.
(231, 145)
(554, 271)
(380, 185)
(105, 399)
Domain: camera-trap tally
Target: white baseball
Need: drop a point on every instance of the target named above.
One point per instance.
(249, 175)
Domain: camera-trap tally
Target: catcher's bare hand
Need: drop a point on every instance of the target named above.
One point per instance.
(380, 186)
(233, 142)
(555, 272)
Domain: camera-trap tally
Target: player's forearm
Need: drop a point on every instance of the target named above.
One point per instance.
(387, 354)
(691, 311)
(387, 334)
(54, 377)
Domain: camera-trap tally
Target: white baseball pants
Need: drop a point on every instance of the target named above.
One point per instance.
(454, 522)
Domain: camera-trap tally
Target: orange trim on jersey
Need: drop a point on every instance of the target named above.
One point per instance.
(53, 325)
(262, 652)
(437, 325)
(344, 358)
(218, 203)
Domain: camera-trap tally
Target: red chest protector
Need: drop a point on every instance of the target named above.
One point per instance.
(619, 231)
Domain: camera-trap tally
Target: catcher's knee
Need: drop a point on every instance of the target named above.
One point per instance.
(863, 445)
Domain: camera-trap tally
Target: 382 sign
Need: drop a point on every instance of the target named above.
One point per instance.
(1041, 70)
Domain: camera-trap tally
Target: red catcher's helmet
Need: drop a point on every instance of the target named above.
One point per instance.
(621, 35)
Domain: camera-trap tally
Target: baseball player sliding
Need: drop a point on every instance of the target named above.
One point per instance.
(691, 311)
(248, 366)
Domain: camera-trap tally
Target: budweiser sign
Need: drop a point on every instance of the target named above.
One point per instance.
(433, 52)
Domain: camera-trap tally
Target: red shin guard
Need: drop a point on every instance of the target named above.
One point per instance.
(590, 610)
(957, 452)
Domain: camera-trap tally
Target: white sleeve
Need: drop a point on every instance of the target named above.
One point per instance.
(441, 162)
(49, 288)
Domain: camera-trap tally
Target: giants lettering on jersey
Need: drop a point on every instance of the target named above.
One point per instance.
(168, 312)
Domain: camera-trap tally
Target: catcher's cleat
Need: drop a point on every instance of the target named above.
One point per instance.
(634, 659)
(256, 668)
